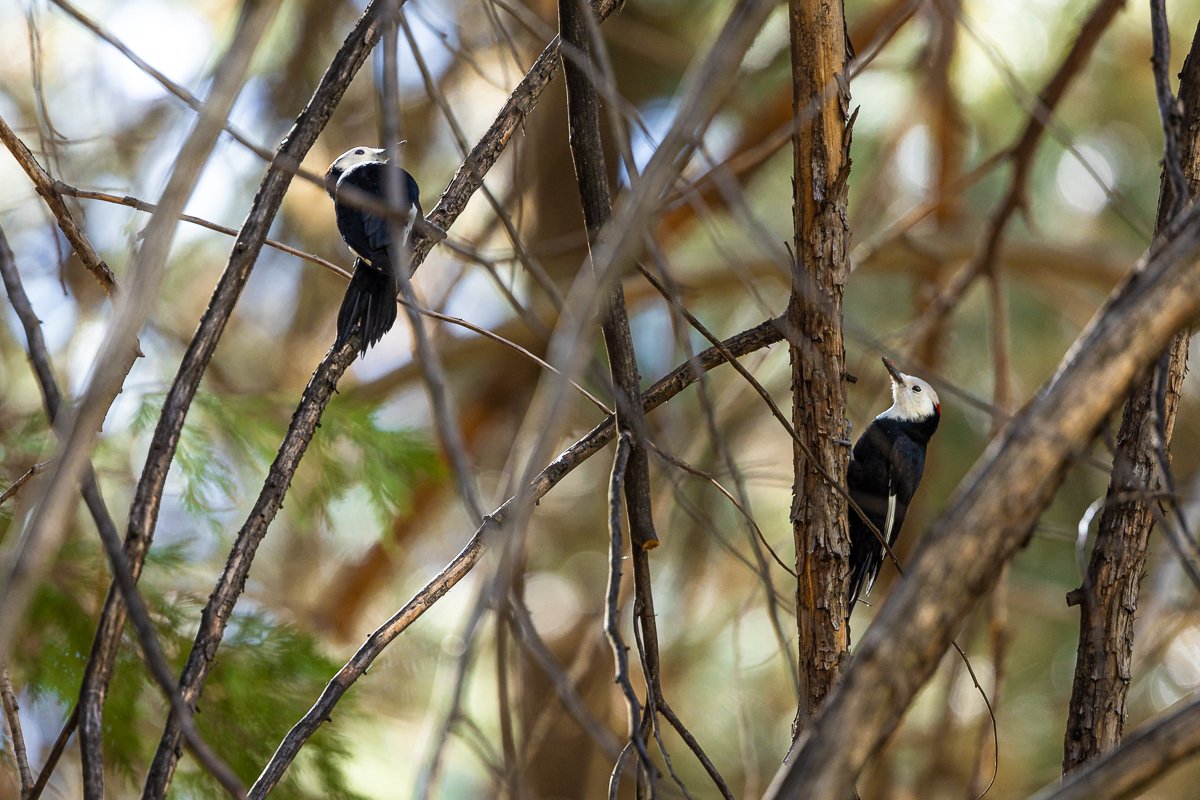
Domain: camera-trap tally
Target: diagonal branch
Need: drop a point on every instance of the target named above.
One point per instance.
(321, 386)
(48, 523)
(54, 201)
(12, 715)
(147, 635)
(1144, 758)
(674, 382)
(992, 516)
(143, 513)
(1097, 709)
(1021, 156)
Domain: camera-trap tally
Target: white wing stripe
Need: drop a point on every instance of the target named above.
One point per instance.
(887, 536)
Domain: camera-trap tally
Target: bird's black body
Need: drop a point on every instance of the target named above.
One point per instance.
(371, 295)
(885, 468)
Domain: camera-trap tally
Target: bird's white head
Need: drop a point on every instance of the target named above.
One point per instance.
(352, 158)
(913, 399)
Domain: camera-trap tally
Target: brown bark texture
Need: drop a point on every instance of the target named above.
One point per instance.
(814, 327)
(1109, 594)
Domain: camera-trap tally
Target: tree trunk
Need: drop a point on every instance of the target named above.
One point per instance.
(821, 144)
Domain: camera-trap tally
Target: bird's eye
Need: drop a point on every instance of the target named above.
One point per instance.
(916, 388)
(359, 151)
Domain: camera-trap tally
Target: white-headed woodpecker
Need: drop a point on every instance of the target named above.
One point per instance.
(885, 468)
(371, 295)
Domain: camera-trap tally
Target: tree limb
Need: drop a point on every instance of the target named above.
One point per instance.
(1143, 758)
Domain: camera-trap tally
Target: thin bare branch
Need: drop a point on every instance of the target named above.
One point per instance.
(110, 538)
(1169, 111)
(441, 403)
(564, 686)
(145, 506)
(1108, 595)
(612, 609)
(670, 385)
(12, 715)
(12, 490)
(66, 222)
(1020, 155)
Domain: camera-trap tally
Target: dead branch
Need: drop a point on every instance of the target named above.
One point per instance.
(74, 234)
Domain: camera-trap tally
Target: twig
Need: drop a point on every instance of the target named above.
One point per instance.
(66, 223)
(216, 613)
(47, 526)
(531, 265)
(716, 484)
(56, 751)
(312, 404)
(647, 785)
(483, 155)
(670, 385)
(457, 247)
(11, 491)
(12, 714)
(587, 153)
(277, 158)
(999, 637)
(612, 608)
(427, 776)
(704, 88)
(754, 535)
(142, 205)
(1107, 596)
(1169, 111)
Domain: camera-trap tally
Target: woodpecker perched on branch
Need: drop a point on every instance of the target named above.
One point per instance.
(371, 295)
(885, 468)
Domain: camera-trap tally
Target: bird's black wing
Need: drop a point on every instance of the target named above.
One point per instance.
(867, 481)
(376, 230)
(905, 467)
(882, 478)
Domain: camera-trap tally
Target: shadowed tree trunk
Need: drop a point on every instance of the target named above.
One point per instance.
(1109, 595)
(814, 325)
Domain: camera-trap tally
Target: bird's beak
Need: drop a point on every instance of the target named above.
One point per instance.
(331, 179)
(897, 377)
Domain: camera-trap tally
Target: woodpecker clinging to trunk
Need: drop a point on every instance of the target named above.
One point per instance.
(371, 295)
(884, 471)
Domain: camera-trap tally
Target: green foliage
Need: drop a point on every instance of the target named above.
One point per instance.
(229, 442)
(386, 462)
(267, 676)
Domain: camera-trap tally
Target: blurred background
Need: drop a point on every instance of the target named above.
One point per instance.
(942, 87)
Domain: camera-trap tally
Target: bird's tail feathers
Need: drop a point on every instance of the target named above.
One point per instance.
(370, 299)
